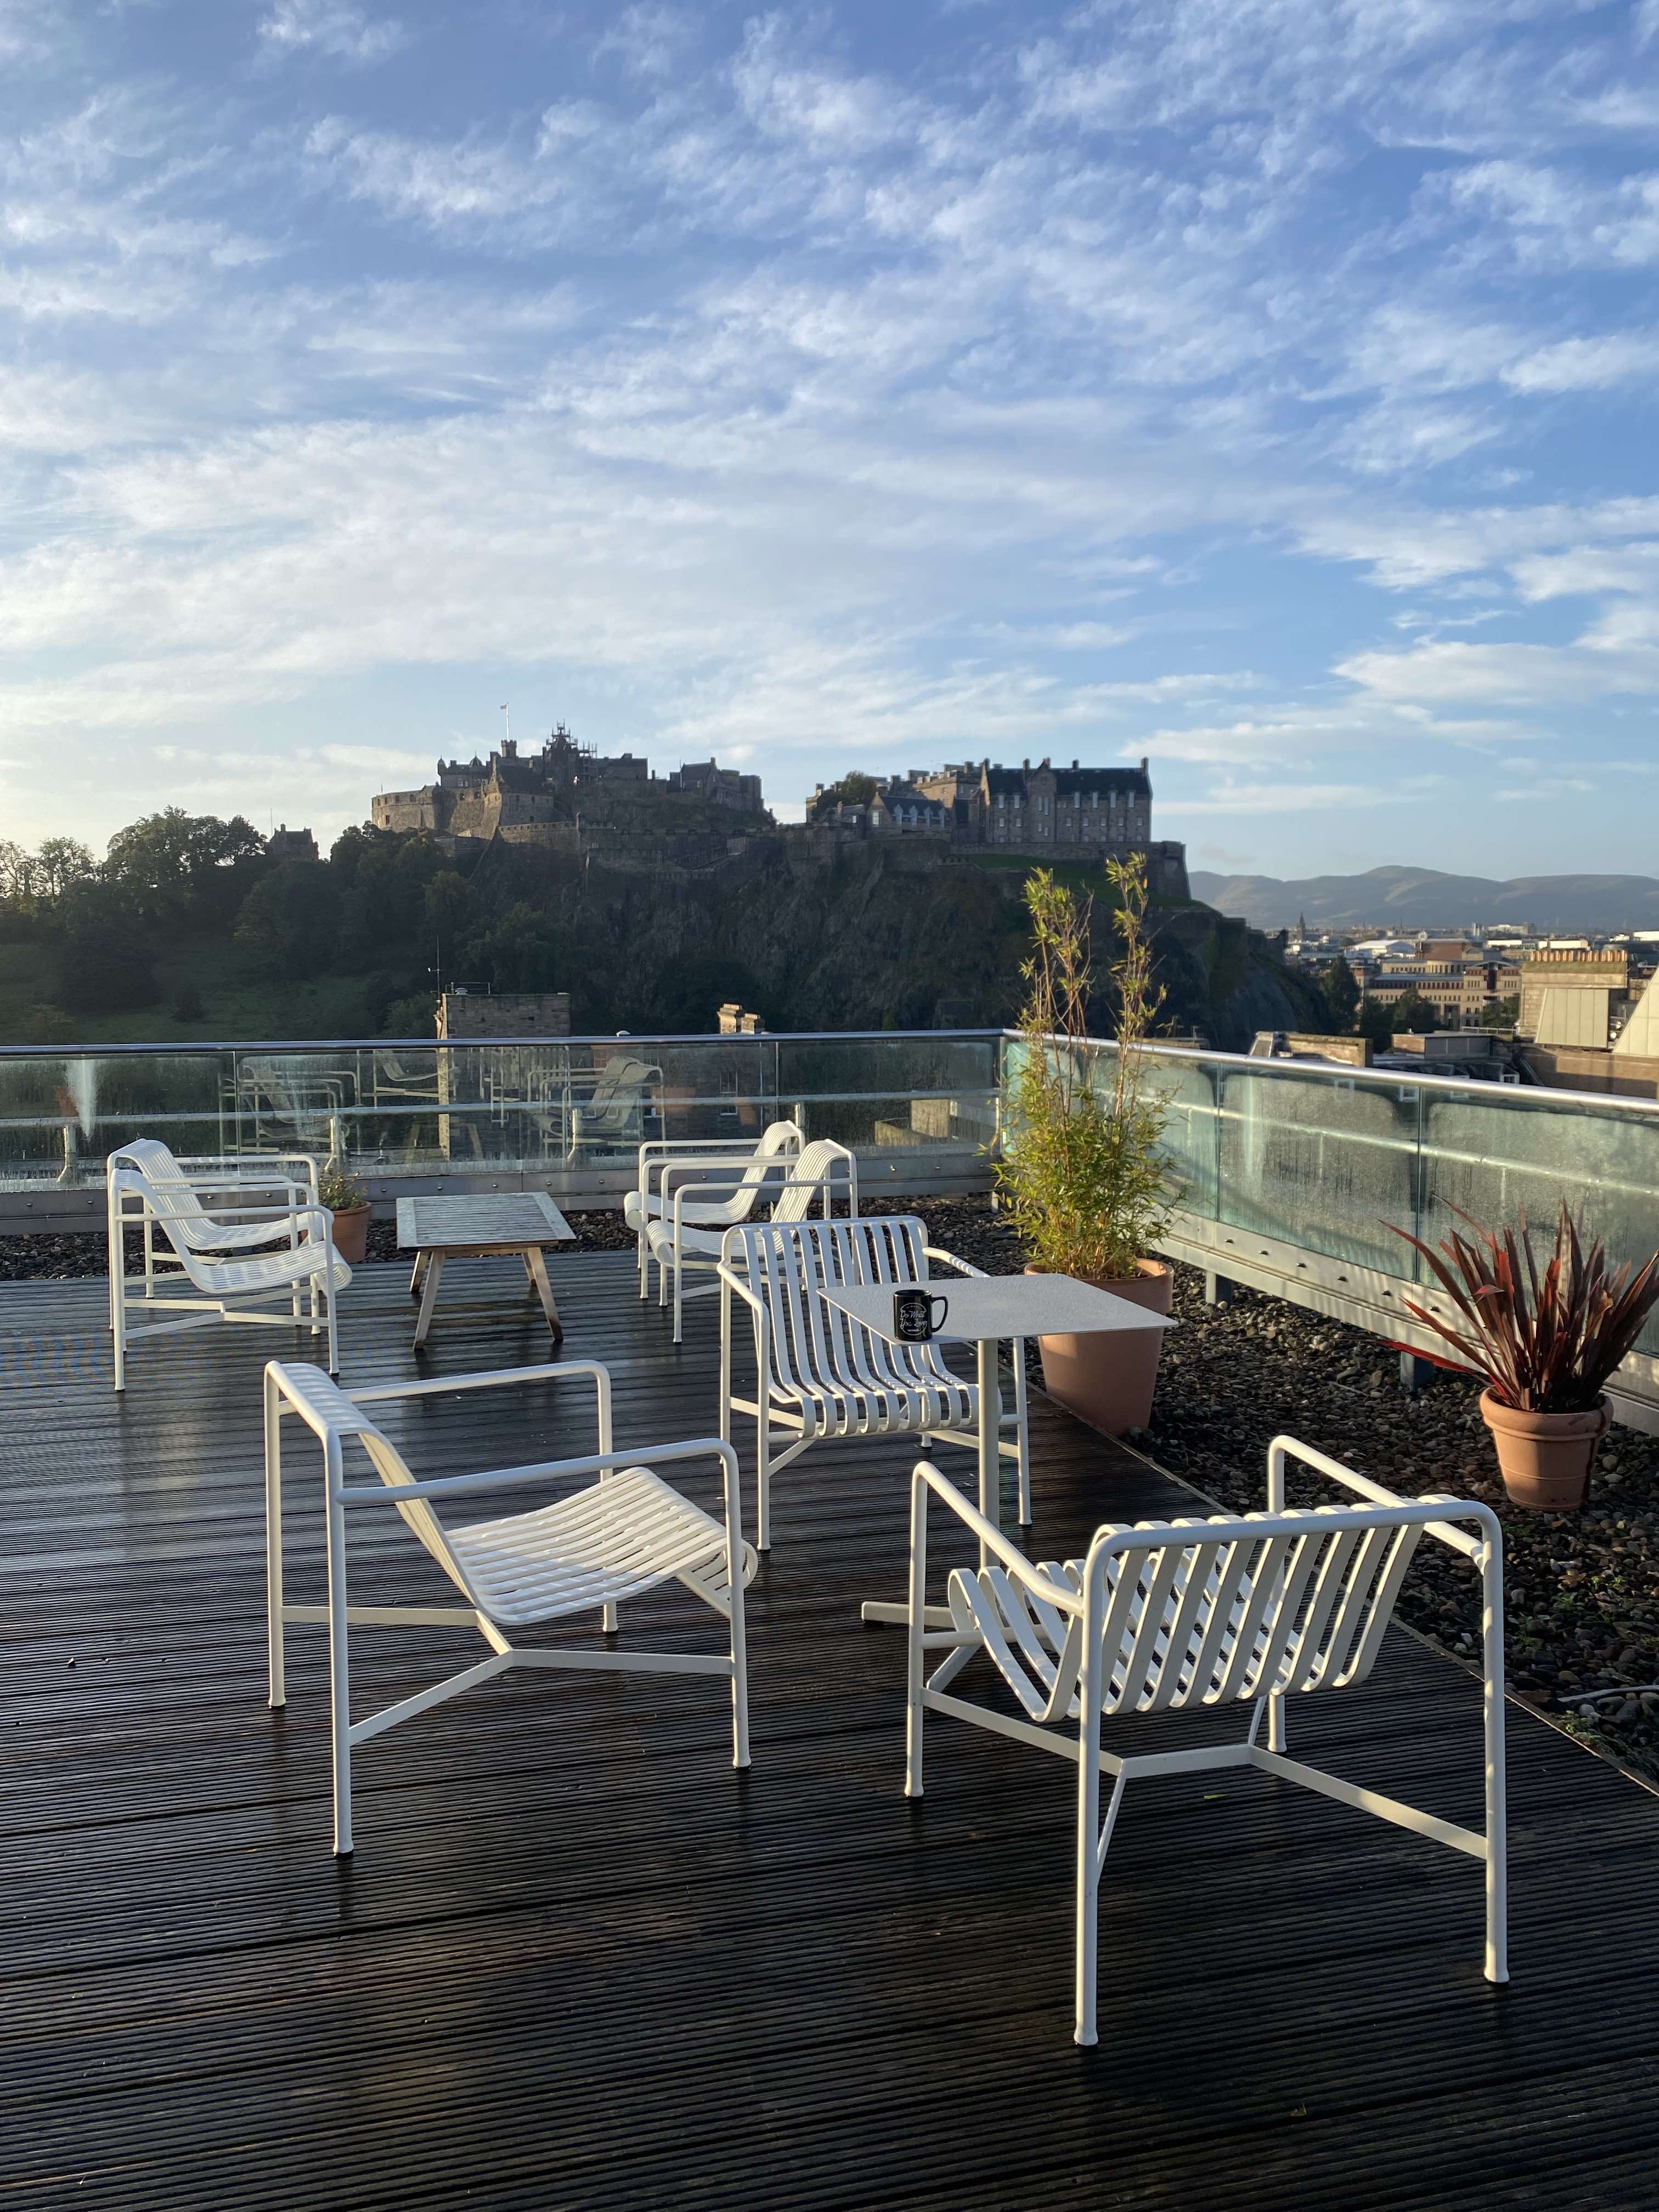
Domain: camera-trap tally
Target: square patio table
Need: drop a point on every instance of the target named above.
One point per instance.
(480, 1228)
(982, 1310)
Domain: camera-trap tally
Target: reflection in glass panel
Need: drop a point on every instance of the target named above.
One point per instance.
(1496, 1156)
(1322, 1161)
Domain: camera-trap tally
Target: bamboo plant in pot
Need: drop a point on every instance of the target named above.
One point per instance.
(1544, 1344)
(1082, 1175)
(347, 1202)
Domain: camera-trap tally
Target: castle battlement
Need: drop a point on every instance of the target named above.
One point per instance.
(546, 796)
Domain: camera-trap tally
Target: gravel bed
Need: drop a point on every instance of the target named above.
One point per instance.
(1580, 1590)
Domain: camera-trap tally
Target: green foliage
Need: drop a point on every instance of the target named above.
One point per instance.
(1502, 1013)
(188, 1007)
(166, 861)
(1082, 1172)
(1339, 987)
(519, 952)
(290, 920)
(104, 966)
(336, 1190)
(855, 790)
(1376, 1021)
(1545, 1343)
(1412, 1011)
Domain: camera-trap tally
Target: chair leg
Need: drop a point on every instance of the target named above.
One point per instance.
(739, 1671)
(1022, 1436)
(762, 1475)
(274, 1545)
(1093, 1836)
(914, 1711)
(679, 1285)
(333, 1335)
(339, 1678)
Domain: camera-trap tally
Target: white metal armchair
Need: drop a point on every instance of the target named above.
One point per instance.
(233, 1263)
(818, 1372)
(735, 1166)
(589, 1552)
(1167, 1616)
(818, 1175)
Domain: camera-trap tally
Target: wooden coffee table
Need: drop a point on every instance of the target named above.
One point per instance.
(440, 1228)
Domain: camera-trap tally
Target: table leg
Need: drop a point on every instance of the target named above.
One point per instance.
(990, 1434)
(421, 1259)
(536, 1259)
(434, 1269)
(889, 1615)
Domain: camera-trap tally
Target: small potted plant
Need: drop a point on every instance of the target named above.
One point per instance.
(1083, 1175)
(348, 1201)
(1544, 1344)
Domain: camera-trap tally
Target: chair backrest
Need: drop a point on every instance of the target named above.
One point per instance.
(149, 1167)
(780, 1143)
(812, 1178)
(329, 1401)
(1204, 1612)
(813, 1343)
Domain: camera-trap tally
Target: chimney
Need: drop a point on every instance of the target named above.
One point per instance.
(1143, 764)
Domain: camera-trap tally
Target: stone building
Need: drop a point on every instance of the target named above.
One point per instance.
(1047, 811)
(545, 797)
(286, 844)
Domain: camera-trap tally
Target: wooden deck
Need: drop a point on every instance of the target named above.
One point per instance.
(578, 1963)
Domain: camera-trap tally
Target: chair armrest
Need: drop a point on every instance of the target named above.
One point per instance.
(504, 1478)
(492, 1378)
(925, 1476)
(1288, 1447)
(949, 1259)
(735, 1281)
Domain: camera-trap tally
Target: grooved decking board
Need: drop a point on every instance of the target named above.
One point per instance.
(577, 1962)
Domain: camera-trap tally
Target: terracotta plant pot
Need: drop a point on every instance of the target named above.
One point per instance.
(350, 1234)
(1545, 1458)
(1107, 1377)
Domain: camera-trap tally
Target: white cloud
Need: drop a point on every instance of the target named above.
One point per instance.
(1586, 364)
(333, 28)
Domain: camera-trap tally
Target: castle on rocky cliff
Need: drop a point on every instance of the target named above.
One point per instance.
(1048, 812)
(545, 798)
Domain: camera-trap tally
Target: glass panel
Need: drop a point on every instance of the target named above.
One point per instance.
(1321, 1160)
(1496, 1155)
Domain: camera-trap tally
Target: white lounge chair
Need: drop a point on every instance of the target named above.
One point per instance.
(234, 1262)
(813, 1177)
(737, 1165)
(819, 1372)
(590, 1551)
(1168, 1616)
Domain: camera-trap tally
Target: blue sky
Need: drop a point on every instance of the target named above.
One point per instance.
(1263, 385)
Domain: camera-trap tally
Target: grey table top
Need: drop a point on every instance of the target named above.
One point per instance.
(511, 1220)
(986, 1306)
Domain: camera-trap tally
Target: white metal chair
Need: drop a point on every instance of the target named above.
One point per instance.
(233, 1263)
(590, 1552)
(815, 1176)
(1168, 1616)
(818, 1372)
(738, 1166)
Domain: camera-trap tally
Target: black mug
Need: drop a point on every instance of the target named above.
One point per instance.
(913, 1314)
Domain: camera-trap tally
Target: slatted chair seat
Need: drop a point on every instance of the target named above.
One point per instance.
(610, 1542)
(1190, 1613)
(613, 1542)
(815, 1176)
(821, 1374)
(234, 1265)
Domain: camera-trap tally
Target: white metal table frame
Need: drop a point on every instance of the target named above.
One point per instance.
(430, 1254)
(871, 1306)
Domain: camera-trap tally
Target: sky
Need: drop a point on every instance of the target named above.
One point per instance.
(1265, 386)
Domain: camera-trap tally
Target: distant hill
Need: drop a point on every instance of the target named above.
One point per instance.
(1403, 898)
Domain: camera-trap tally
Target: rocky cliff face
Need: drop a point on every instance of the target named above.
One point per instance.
(871, 938)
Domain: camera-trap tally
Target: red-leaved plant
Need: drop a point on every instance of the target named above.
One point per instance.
(1546, 1343)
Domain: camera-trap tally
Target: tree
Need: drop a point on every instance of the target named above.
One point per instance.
(519, 953)
(166, 861)
(63, 861)
(1341, 987)
(289, 921)
(855, 790)
(104, 967)
(1376, 1021)
(1502, 1013)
